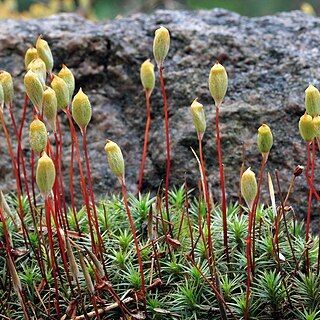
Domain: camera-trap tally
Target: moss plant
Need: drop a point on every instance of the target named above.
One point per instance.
(161, 46)
(218, 84)
(116, 164)
(265, 142)
(150, 257)
(148, 81)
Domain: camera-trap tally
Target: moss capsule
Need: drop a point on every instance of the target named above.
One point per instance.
(198, 117)
(306, 127)
(81, 109)
(62, 92)
(50, 106)
(1, 98)
(312, 100)
(30, 55)
(68, 77)
(115, 159)
(44, 53)
(7, 86)
(39, 67)
(147, 76)
(218, 82)
(34, 89)
(249, 186)
(161, 45)
(316, 124)
(38, 136)
(264, 139)
(45, 175)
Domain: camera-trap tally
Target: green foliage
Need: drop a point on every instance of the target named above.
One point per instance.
(184, 291)
(270, 290)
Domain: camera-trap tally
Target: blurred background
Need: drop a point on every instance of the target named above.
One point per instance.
(110, 9)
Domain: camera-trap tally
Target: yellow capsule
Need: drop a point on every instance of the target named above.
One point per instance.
(68, 77)
(312, 100)
(147, 75)
(7, 86)
(44, 53)
(115, 159)
(161, 45)
(265, 139)
(45, 175)
(62, 92)
(306, 128)
(1, 98)
(30, 55)
(316, 124)
(34, 89)
(38, 136)
(249, 187)
(39, 67)
(50, 106)
(81, 109)
(218, 82)
(308, 9)
(198, 117)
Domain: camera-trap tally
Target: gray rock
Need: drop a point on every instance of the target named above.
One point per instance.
(270, 61)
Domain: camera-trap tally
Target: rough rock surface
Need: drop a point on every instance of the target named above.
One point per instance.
(270, 61)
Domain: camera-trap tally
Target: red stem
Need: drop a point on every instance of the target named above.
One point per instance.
(223, 191)
(25, 235)
(32, 170)
(211, 257)
(284, 217)
(50, 239)
(252, 213)
(61, 244)
(26, 99)
(241, 172)
(310, 196)
(22, 161)
(71, 185)
(33, 179)
(166, 117)
(60, 166)
(95, 215)
(144, 153)
(207, 200)
(83, 184)
(59, 184)
(56, 189)
(18, 143)
(20, 152)
(133, 230)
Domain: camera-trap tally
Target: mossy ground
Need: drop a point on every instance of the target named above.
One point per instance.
(281, 287)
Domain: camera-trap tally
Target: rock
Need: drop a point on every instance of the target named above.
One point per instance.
(270, 61)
